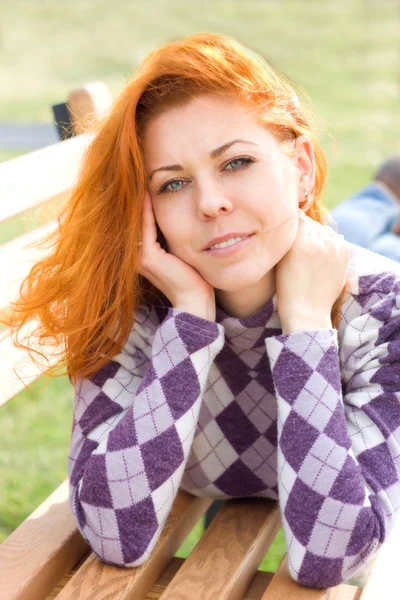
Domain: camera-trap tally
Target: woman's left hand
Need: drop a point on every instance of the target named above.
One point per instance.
(310, 277)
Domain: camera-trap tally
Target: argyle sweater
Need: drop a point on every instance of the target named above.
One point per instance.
(234, 408)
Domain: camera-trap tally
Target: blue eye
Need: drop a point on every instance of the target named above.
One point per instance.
(164, 188)
(244, 160)
(173, 189)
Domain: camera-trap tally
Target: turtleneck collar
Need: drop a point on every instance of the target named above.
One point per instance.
(250, 332)
(246, 333)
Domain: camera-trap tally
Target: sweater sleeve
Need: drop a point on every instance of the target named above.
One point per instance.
(133, 426)
(338, 442)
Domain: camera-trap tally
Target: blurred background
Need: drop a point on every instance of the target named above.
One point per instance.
(344, 54)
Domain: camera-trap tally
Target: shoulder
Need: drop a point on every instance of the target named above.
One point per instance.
(370, 271)
(371, 307)
(371, 278)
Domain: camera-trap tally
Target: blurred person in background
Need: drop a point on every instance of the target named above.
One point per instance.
(371, 217)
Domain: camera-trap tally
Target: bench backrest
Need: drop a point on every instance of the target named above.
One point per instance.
(29, 181)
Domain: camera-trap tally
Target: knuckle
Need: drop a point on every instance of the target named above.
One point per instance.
(144, 263)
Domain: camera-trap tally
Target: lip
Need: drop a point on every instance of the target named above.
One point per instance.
(223, 238)
(230, 249)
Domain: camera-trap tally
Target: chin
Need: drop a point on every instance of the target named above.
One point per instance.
(238, 279)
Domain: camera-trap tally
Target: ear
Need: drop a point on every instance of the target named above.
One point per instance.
(305, 162)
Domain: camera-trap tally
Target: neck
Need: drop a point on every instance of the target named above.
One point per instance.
(246, 302)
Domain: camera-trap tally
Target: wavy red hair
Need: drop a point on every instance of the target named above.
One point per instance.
(84, 294)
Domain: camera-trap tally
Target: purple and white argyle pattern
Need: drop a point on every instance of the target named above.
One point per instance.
(133, 428)
(234, 451)
(235, 408)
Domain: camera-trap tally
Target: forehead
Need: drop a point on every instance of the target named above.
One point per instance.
(202, 125)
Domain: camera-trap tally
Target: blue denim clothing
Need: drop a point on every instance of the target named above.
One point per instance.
(366, 219)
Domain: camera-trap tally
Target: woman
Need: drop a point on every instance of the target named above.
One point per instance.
(220, 338)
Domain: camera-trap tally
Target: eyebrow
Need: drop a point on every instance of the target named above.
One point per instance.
(213, 154)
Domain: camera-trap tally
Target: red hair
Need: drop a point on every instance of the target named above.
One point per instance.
(84, 294)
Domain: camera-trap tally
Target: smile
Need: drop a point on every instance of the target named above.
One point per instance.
(232, 248)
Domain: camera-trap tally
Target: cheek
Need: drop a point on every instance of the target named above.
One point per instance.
(279, 236)
(173, 235)
(283, 237)
(273, 200)
(277, 216)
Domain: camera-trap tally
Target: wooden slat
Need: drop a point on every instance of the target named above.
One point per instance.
(34, 178)
(67, 577)
(254, 591)
(16, 368)
(96, 580)
(260, 582)
(165, 579)
(383, 578)
(41, 550)
(226, 558)
(16, 260)
(283, 587)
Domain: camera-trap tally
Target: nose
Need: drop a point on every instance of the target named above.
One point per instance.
(212, 200)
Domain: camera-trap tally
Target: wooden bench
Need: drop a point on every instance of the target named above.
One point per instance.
(46, 556)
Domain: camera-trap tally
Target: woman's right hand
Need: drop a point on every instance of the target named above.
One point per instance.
(178, 281)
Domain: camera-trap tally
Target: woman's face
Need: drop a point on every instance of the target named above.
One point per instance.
(208, 185)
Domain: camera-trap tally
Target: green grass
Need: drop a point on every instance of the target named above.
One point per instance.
(344, 53)
(36, 427)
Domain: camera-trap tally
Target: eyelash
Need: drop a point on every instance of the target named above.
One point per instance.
(247, 160)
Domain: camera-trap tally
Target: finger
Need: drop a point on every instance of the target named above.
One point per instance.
(149, 230)
(305, 226)
(336, 237)
(318, 228)
(308, 222)
(318, 234)
(330, 232)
